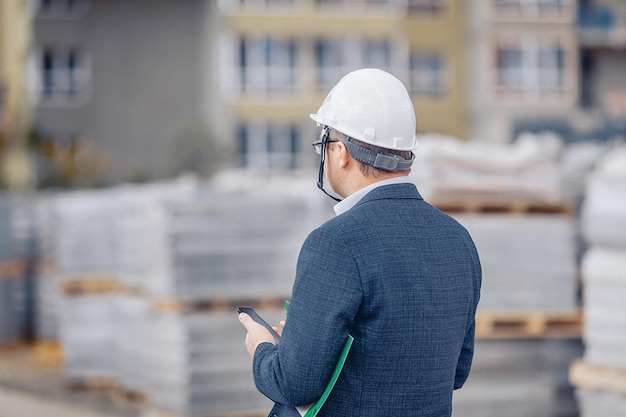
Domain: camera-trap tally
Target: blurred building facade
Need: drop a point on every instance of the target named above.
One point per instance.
(279, 58)
(523, 62)
(14, 108)
(554, 65)
(601, 30)
(157, 86)
(132, 79)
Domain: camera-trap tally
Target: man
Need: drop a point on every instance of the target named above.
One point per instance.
(398, 275)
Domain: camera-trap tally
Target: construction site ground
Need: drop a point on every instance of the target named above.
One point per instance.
(30, 389)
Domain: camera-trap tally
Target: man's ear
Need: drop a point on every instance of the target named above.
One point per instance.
(344, 155)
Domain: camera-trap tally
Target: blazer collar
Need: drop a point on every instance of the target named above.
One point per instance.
(402, 191)
(350, 201)
(394, 191)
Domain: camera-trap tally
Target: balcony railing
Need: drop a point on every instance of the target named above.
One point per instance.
(599, 27)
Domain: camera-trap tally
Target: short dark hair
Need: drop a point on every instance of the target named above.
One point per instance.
(369, 170)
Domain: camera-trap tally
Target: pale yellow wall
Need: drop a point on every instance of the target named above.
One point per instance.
(443, 33)
(440, 32)
(17, 171)
(14, 39)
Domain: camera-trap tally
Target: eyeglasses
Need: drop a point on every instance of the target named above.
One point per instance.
(317, 145)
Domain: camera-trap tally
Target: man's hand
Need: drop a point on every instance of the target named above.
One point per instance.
(257, 334)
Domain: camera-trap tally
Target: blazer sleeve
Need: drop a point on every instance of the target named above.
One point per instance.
(326, 296)
(467, 349)
(465, 359)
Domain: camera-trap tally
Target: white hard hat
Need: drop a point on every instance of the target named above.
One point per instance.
(372, 106)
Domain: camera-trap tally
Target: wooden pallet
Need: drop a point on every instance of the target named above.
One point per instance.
(121, 395)
(500, 204)
(12, 268)
(598, 378)
(101, 284)
(91, 384)
(252, 413)
(183, 307)
(46, 266)
(13, 345)
(48, 353)
(528, 325)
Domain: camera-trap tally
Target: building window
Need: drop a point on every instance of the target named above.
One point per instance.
(263, 4)
(267, 64)
(336, 57)
(520, 5)
(267, 147)
(61, 74)
(330, 62)
(536, 9)
(530, 65)
(60, 8)
(348, 3)
(427, 74)
(377, 53)
(426, 6)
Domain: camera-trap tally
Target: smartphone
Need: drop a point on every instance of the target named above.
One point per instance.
(255, 316)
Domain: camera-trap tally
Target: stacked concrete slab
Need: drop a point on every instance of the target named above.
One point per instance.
(519, 378)
(84, 253)
(528, 261)
(232, 246)
(511, 198)
(137, 304)
(201, 367)
(227, 245)
(15, 306)
(603, 271)
(88, 330)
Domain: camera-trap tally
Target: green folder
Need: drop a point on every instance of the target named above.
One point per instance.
(313, 409)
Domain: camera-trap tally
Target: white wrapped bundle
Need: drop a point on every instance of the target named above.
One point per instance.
(527, 167)
(600, 404)
(603, 214)
(604, 275)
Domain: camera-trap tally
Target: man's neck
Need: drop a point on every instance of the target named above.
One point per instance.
(361, 181)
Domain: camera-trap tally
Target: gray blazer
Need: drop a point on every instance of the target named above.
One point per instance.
(404, 280)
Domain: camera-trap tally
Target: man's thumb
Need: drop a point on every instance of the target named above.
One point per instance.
(244, 319)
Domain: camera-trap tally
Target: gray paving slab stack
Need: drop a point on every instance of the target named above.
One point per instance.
(519, 378)
(232, 246)
(201, 366)
(84, 235)
(131, 339)
(47, 292)
(15, 281)
(12, 310)
(86, 248)
(88, 334)
(180, 246)
(528, 261)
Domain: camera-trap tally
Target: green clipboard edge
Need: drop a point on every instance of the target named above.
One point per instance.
(314, 408)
